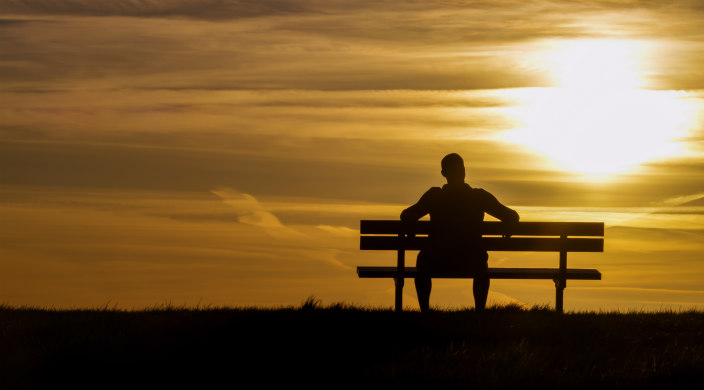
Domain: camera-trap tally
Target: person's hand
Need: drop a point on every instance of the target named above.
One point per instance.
(508, 229)
(407, 228)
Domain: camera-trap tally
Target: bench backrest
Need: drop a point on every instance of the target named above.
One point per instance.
(525, 236)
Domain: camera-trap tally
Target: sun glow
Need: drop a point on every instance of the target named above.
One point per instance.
(598, 64)
(597, 122)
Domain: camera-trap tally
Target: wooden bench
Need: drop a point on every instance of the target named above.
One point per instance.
(559, 237)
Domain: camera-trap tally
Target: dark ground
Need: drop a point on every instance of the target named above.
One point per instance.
(342, 347)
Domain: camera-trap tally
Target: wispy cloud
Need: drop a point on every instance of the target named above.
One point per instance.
(76, 247)
(208, 9)
(225, 9)
(250, 212)
(363, 45)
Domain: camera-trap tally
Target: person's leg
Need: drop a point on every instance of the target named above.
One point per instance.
(481, 286)
(481, 291)
(423, 282)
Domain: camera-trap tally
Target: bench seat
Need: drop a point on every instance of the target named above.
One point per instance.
(494, 273)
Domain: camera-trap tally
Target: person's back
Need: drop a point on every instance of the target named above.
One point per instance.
(456, 211)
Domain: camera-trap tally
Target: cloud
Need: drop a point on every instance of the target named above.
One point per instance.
(338, 230)
(360, 168)
(78, 246)
(250, 212)
(248, 209)
(319, 45)
(233, 9)
(202, 9)
(496, 298)
(13, 22)
(684, 200)
(642, 298)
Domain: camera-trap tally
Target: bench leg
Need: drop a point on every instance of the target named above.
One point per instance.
(561, 282)
(399, 293)
(559, 294)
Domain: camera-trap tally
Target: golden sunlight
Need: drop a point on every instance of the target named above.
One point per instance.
(598, 64)
(597, 122)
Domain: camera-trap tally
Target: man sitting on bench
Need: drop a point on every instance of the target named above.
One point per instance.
(457, 211)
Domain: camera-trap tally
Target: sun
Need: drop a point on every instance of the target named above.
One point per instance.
(597, 121)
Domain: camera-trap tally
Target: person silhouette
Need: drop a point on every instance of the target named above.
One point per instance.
(457, 211)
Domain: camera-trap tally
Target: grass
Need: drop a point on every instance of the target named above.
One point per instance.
(341, 346)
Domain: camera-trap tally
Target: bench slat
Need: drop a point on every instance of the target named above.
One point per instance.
(494, 273)
(540, 244)
(490, 228)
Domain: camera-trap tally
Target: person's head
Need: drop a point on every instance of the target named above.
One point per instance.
(453, 168)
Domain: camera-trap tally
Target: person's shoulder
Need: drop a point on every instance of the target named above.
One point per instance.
(432, 192)
(482, 193)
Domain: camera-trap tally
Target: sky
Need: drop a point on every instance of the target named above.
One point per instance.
(223, 152)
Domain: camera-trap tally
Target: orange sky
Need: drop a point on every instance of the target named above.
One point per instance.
(223, 152)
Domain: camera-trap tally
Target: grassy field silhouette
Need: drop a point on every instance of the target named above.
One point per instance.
(343, 346)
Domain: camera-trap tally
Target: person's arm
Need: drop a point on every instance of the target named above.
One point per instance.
(418, 210)
(497, 210)
(504, 214)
